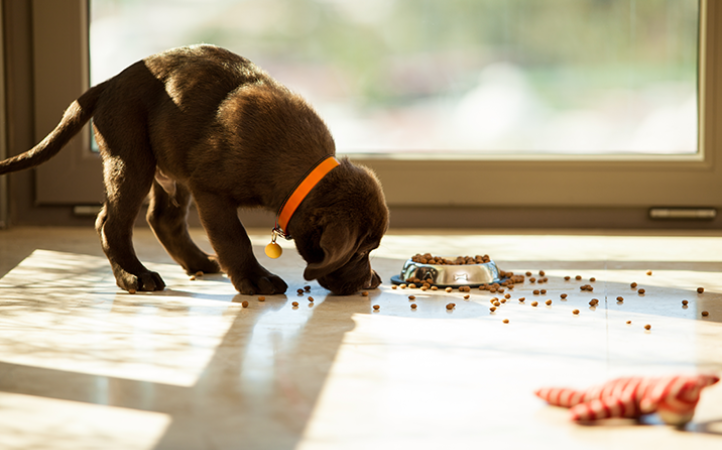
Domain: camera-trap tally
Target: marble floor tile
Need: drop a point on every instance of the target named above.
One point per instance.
(86, 365)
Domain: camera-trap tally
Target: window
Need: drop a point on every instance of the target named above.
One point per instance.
(468, 77)
(489, 176)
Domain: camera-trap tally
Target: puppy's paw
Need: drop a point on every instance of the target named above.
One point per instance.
(208, 264)
(145, 281)
(266, 283)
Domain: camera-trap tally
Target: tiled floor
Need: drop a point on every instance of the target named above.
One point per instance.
(85, 366)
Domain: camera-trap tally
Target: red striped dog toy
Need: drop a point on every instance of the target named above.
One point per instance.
(674, 398)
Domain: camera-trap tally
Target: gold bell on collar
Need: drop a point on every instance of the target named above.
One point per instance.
(273, 250)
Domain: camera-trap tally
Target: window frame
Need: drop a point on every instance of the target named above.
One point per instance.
(486, 181)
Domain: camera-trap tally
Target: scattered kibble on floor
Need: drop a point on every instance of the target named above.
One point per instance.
(244, 303)
(648, 327)
(575, 312)
(376, 307)
(295, 304)
(700, 290)
(705, 313)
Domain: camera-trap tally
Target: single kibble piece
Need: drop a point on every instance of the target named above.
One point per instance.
(575, 312)
(307, 288)
(310, 299)
(685, 302)
(503, 300)
(394, 287)
(131, 291)
(505, 320)
(548, 302)
(649, 272)
(528, 273)
(648, 327)
(634, 285)
(299, 291)
(629, 322)
(376, 307)
(497, 304)
(412, 297)
(412, 286)
(563, 296)
(592, 279)
(593, 302)
(244, 303)
(578, 277)
(365, 293)
(450, 306)
(700, 290)
(521, 299)
(705, 313)
(413, 306)
(620, 299)
(434, 288)
(641, 291)
(193, 278)
(448, 289)
(534, 304)
(541, 273)
(295, 304)
(466, 297)
(424, 288)
(567, 278)
(543, 291)
(536, 292)
(199, 274)
(507, 296)
(402, 286)
(492, 308)
(261, 299)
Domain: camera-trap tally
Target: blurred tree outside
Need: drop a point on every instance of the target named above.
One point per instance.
(431, 76)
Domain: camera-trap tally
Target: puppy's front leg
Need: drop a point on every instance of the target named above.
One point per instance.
(233, 247)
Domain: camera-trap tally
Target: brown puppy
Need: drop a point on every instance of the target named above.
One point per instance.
(205, 123)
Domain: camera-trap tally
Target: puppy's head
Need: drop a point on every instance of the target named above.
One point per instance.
(338, 226)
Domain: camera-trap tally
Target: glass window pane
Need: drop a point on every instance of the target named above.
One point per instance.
(449, 76)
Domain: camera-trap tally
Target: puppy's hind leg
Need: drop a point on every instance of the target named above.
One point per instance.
(127, 183)
(167, 217)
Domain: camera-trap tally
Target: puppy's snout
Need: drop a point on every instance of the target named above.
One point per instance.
(374, 281)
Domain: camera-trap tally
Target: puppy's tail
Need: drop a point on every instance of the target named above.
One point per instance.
(77, 115)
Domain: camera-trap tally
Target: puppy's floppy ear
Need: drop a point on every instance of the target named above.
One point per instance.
(338, 243)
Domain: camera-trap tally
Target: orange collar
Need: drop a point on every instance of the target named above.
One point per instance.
(295, 199)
